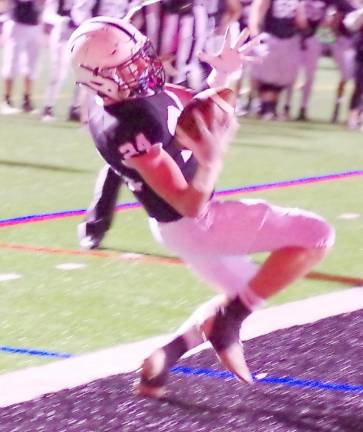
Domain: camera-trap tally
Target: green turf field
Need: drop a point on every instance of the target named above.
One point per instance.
(52, 167)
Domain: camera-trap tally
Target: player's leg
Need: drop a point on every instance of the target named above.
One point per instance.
(297, 241)
(100, 213)
(343, 53)
(32, 35)
(311, 56)
(356, 102)
(11, 51)
(58, 71)
(218, 320)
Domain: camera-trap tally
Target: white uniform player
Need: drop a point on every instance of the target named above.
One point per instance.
(21, 42)
(57, 13)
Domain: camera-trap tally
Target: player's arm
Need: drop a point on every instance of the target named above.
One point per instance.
(163, 175)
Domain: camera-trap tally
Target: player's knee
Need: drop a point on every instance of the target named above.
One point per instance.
(323, 234)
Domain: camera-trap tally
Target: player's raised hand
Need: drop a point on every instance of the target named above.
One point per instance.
(232, 56)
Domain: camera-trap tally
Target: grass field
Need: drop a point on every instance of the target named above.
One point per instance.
(52, 167)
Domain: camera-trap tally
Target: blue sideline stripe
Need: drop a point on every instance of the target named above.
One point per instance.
(33, 352)
(288, 381)
(246, 188)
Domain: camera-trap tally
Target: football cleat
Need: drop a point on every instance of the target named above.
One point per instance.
(7, 108)
(27, 106)
(302, 115)
(74, 114)
(222, 330)
(47, 114)
(88, 240)
(153, 375)
(154, 371)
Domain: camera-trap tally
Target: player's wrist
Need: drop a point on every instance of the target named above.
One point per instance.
(206, 176)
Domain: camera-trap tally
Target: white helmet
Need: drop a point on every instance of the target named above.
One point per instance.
(112, 57)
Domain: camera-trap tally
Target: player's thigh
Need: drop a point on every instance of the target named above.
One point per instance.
(227, 274)
(243, 227)
(226, 228)
(31, 50)
(12, 47)
(343, 54)
(292, 227)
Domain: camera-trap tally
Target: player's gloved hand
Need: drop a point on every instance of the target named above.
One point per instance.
(231, 57)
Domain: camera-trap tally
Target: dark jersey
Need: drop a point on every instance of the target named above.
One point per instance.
(280, 18)
(25, 11)
(128, 129)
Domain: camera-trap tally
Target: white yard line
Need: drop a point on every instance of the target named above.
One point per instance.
(4, 277)
(27, 384)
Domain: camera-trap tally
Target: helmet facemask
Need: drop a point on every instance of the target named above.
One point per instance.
(140, 75)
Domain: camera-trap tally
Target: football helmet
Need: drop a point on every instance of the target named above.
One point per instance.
(112, 57)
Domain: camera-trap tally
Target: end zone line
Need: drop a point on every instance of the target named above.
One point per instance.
(287, 381)
(27, 384)
(244, 189)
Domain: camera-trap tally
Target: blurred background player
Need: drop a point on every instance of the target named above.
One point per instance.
(312, 14)
(85, 9)
(22, 33)
(276, 71)
(342, 51)
(178, 31)
(354, 22)
(57, 14)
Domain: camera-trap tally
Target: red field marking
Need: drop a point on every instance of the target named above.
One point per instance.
(156, 259)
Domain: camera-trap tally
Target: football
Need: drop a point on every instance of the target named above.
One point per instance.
(213, 104)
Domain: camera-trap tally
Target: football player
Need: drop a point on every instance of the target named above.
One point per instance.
(57, 15)
(21, 39)
(133, 120)
(354, 22)
(276, 71)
